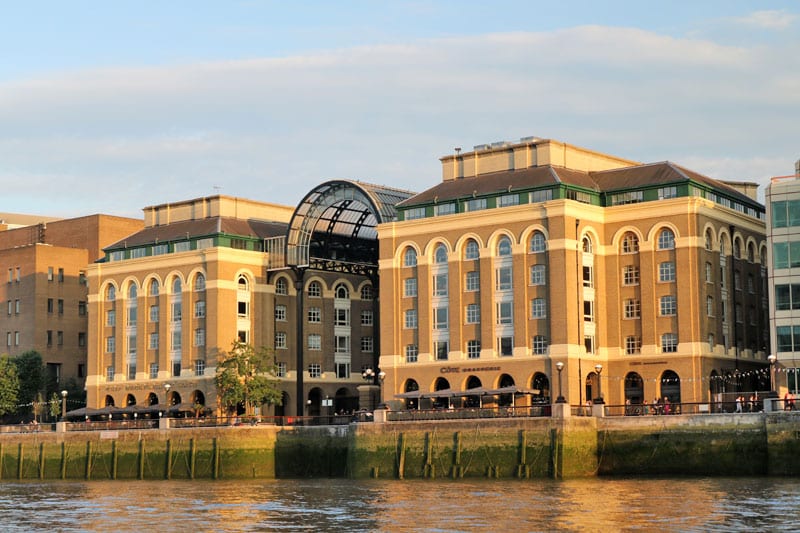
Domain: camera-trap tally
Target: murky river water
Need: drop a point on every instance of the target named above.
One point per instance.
(703, 504)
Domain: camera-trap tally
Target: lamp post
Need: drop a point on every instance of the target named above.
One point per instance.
(63, 405)
(598, 368)
(772, 358)
(368, 374)
(560, 367)
(167, 386)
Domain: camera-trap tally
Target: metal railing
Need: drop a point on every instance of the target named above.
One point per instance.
(468, 413)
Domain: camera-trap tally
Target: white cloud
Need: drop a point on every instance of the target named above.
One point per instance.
(138, 136)
(767, 20)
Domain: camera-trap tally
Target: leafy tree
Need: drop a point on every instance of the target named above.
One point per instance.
(247, 376)
(9, 386)
(54, 406)
(31, 372)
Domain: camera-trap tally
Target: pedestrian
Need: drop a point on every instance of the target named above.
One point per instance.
(738, 404)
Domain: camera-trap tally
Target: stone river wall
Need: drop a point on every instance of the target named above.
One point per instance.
(710, 445)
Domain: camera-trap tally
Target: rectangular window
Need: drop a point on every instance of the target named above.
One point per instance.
(82, 308)
(341, 317)
(414, 213)
(131, 316)
(538, 308)
(412, 352)
(281, 372)
(366, 317)
(475, 204)
(444, 209)
(160, 249)
(200, 337)
(669, 343)
(49, 337)
(16, 307)
(111, 344)
(410, 319)
(199, 367)
(138, 252)
(709, 305)
(153, 341)
(60, 338)
(666, 271)
(440, 285)
(631, 197)
(440, 317)
(537, 274)
(109, 373)
(8, 338)
(505, 346)
(183, 246)
(314, 341)
(588, 343)
(10, 307)
(541, 195)
(472, 281)
(473, 349)
(540, 345)
(131, 371)
(177, 340)
(176, 312)
(665, 193)
(50, 306)
(341, 344)
(588, 276)
(60, 306)
(473, 314)
(280, 340)
(507, 200)
(343, 370)
(200, 309)
(503, 279)
(81, 339)
(630, 275)
(366, 344)
(633, 345)
(632, 308)
(505, 313)
(153, 313)
(202, 244)
(588, 311)
(314, 315)
(49, 273)
(280, 313)
(667, 305)
(441, 349)
(16, 338)
(409, 287)
(176, 367)
(314, 370)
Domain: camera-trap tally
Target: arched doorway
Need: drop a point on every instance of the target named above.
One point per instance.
(441, 402)
(475, 400)
(671, 388)
(505, 400)
(540, 385)
(109, 402)
(411, 386)
(280, 410)
(152, 399)
(591, 386)
(634, 393)
(314, 402)
(130, 400)
(344, 402)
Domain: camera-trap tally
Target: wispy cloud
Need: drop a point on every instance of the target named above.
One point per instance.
(119, 139)
(767, 20)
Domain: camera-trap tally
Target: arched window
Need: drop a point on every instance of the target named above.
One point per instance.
(111, 293)
(341, 291)
(410, 257)
(366, 292)
(242, 283)
(737, 249)
(440, 255)
(751, 253)
(176, 285)
(200, 282)
(471, 250)
(281, 287)
(630, 243)
(666, 240)
(538, 243)
(314, 289)
(504, 247)
(132, 291)
(587, 245)
(721, 246)
(153, 287)
(708, 240)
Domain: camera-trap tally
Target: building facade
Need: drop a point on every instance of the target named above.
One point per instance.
(171, 298)
(45, 293)
(533, 253)
(783, 215)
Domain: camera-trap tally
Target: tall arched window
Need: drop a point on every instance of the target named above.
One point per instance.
(367, 293)
(630, 243)
(471, 250)
(111, 293)
(153, 287)
(504, 246)
(666, 239)
(281, 287)
(314, 289)
(410, 257)
(538, 243)
(440, 255)
(708, 240)
(341, 291)
(176, 285)
(132, 291)
(200, 282)
(587, 245)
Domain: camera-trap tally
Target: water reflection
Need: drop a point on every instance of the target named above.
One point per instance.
(732, 504)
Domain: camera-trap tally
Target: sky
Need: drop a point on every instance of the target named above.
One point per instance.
(109, 107)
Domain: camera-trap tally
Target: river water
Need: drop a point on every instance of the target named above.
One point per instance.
(685, 504)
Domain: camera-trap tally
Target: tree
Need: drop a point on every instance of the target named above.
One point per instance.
(9, 386)
(31, 372)
(247, 376)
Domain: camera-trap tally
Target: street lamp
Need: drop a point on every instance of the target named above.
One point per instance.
(772, 358)
(367, 374)
(63, 405)
(598, 368)
(560, 367)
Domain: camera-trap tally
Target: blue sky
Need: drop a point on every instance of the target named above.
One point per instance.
(113, 106)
